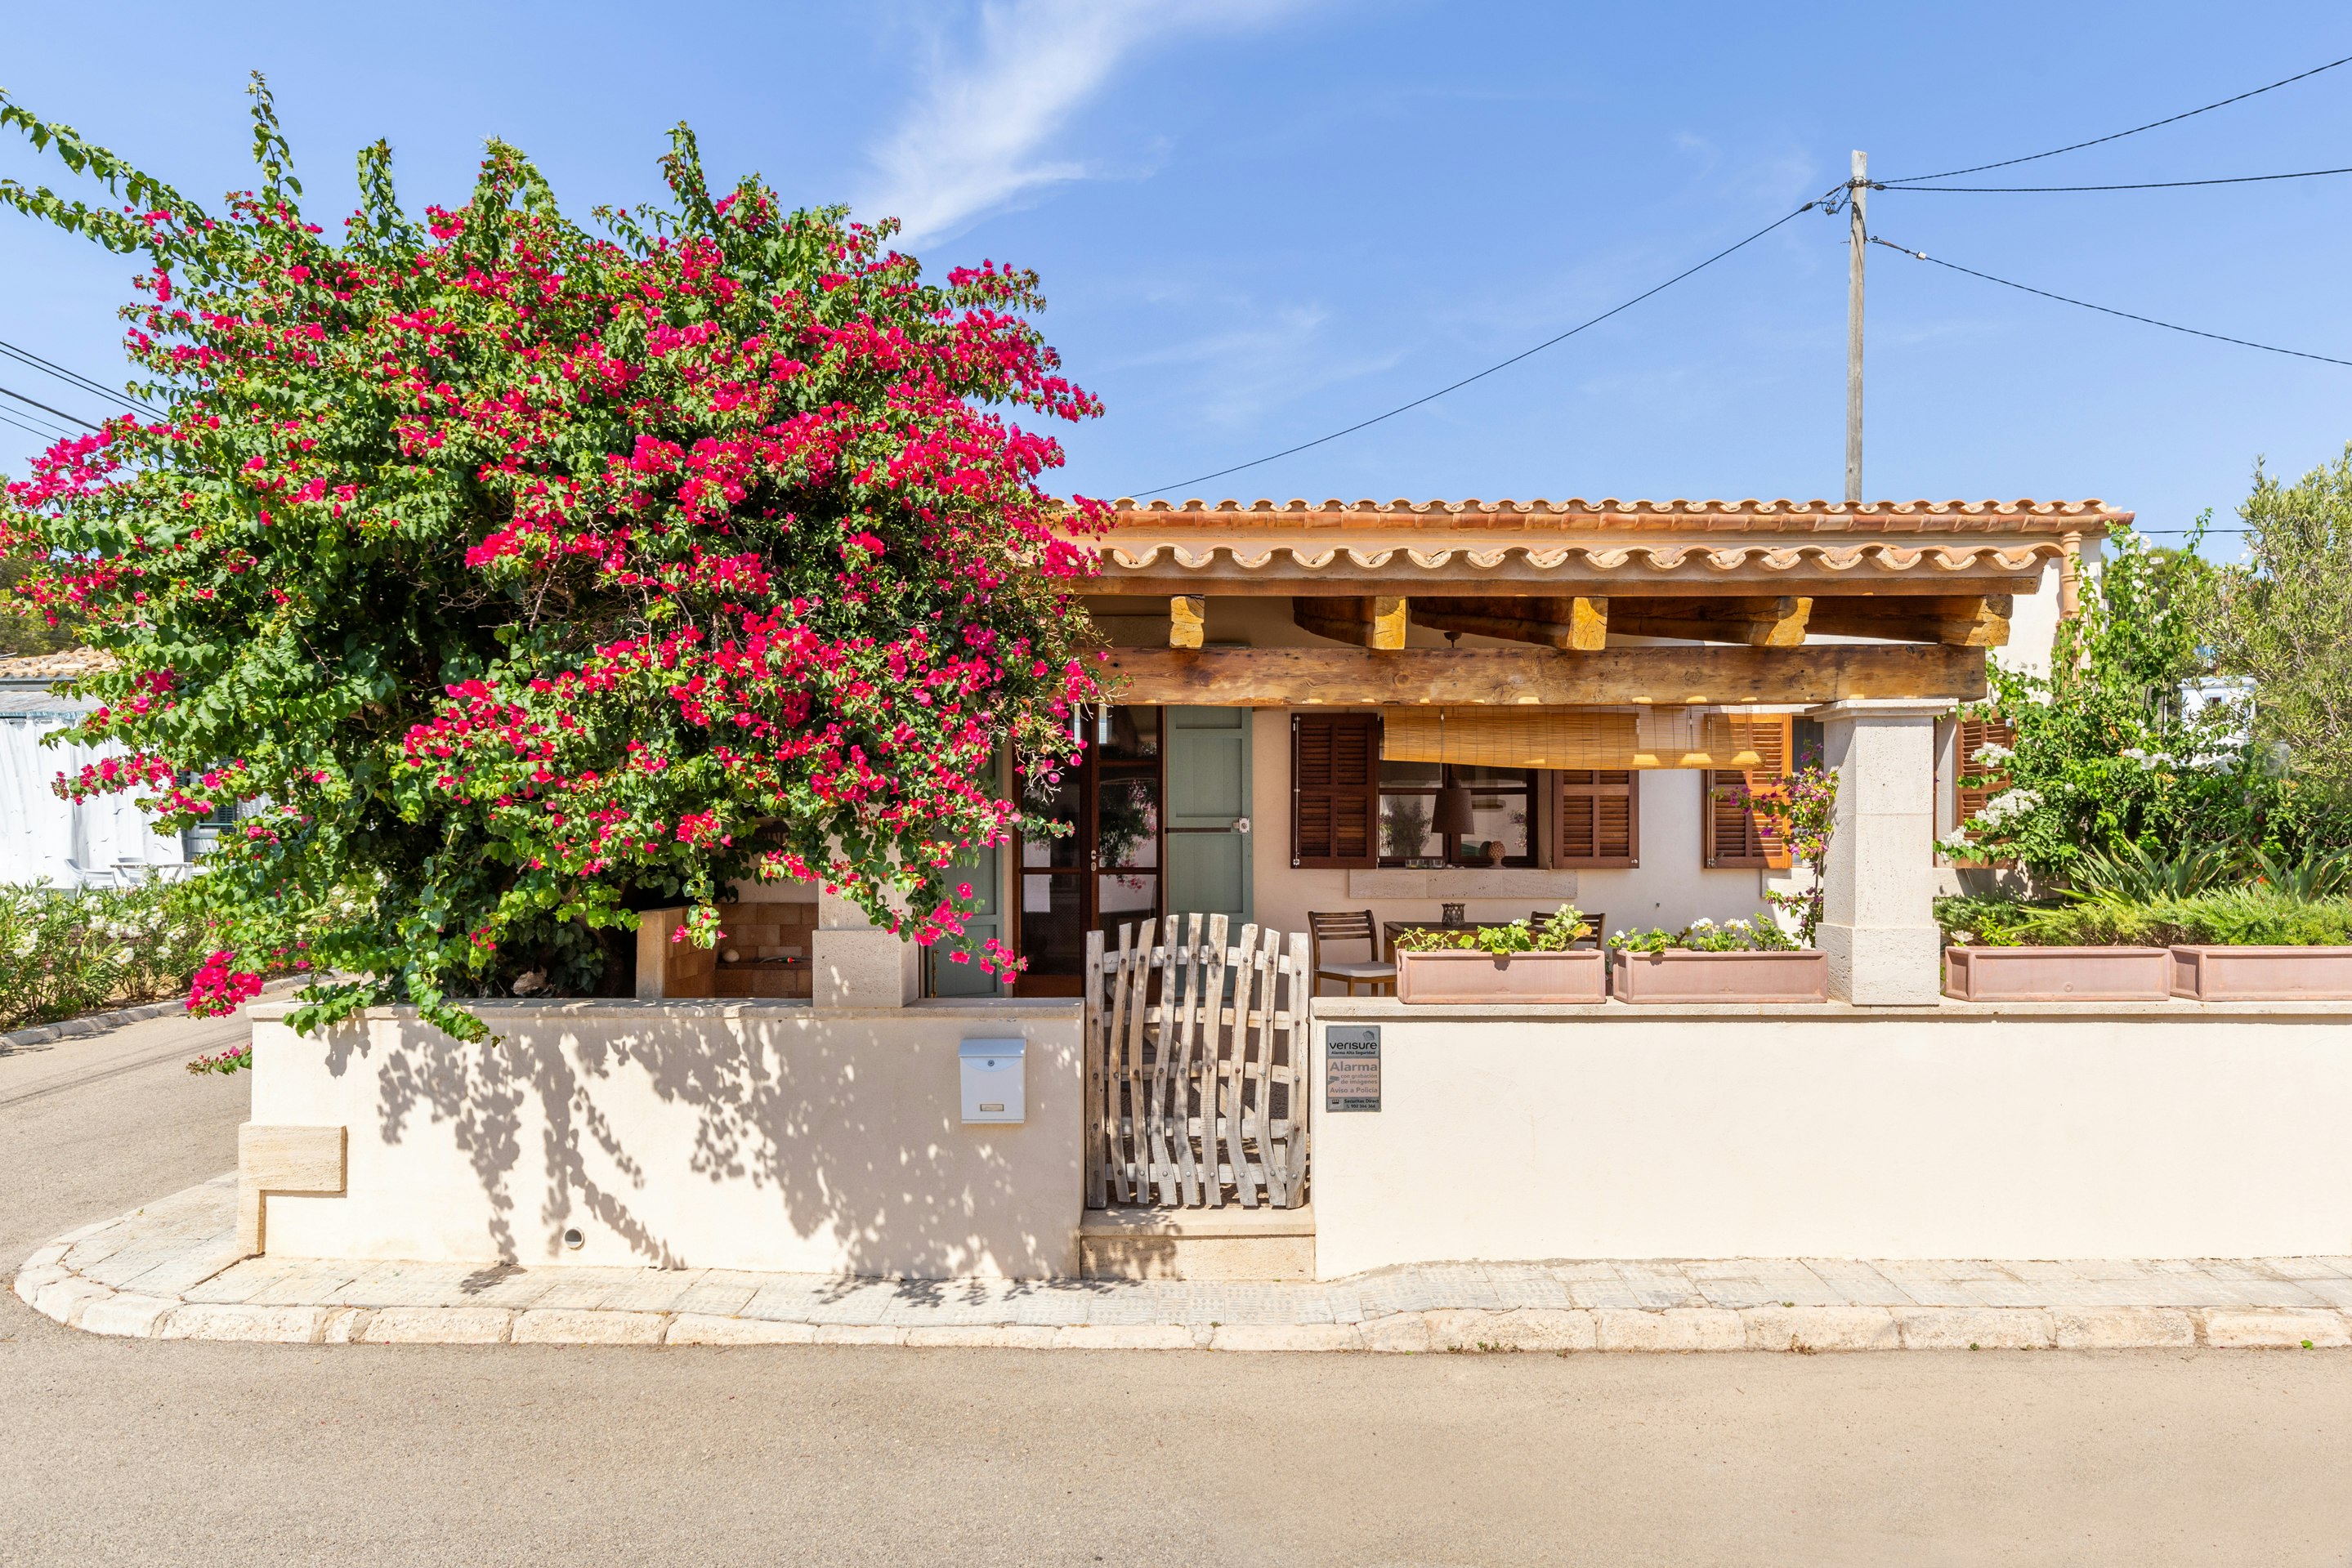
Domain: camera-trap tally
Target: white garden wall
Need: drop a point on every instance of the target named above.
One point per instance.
(710, 1135)
(2070, 1131)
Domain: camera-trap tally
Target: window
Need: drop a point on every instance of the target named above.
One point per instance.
(1596, 818)
(1334, 788)
(1976, 734)
(1732, 836)
(1502, 828)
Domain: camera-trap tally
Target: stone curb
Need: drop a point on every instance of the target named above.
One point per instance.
(98, 1023)
(56, 1293)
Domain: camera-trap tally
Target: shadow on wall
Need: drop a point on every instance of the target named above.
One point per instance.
(712, 1135)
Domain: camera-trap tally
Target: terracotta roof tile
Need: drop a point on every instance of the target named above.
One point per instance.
(2090, 518)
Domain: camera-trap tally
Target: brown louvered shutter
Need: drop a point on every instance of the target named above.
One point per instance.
(1596, 818)
(1975, 735)
(1732, 837)
(1335, 789)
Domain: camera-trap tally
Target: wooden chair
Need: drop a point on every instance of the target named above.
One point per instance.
(1597, 935)
(1354, 925)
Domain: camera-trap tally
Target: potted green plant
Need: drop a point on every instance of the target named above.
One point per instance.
(1520, 962)
(1737, 961)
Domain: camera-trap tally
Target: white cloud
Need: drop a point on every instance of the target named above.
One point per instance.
(998, 93)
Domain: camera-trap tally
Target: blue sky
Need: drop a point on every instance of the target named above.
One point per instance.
(1258, 221)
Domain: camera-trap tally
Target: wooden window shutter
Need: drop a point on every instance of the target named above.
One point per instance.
(1596, 818)
(1975, 735)
(1334, 789)
(1731, 835)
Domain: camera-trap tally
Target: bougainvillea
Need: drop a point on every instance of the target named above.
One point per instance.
(510, 576)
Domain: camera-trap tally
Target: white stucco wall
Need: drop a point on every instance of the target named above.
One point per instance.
(716, 1135)
(1670, 887)
(2072, 1131)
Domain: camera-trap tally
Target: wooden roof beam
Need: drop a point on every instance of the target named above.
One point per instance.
(1957, 621)
(1779, 622)
(1549, 620)
(1355, 677)
(1378, 621)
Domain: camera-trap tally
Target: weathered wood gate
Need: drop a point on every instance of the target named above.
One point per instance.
(1196, 1065)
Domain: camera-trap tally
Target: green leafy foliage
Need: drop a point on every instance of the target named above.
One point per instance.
(1558, 932)
(69, 951)
(2284, 621)
(1763, 934)
(522, 575)
(2110, 761)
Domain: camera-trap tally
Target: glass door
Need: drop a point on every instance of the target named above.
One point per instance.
(1102, 870)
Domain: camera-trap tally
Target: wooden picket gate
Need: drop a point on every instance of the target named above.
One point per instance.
(1196, 1065)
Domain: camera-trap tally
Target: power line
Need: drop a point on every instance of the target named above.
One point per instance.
(2141, 185)
(44, 408)
(2135, 131)
(2106, 309)
(71, 378)
(1490, 370)
(29, 429)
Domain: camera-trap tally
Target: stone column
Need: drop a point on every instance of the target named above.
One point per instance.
(1878, 925)
(854, 963)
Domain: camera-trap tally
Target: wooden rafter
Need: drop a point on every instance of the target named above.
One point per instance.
(1348, 677)
(1549, 620)
(1958, 620)
(1775, 621)
(1368, 622)
(1188, 615)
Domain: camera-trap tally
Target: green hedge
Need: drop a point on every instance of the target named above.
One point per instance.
(2255, 917)
(67, 951)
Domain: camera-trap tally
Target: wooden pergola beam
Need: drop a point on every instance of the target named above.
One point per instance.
(1352, 678)
(1549, 620)
(1960, 620)
(1188, 615)
(1368, 622)
(1777, 622)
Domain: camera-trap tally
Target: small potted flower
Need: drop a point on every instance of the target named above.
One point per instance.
(1520, 962)
(1737, 961)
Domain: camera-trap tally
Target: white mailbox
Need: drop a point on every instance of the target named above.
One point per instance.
(992, 1080)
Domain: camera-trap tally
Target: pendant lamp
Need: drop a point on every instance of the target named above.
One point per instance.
(1453, 814)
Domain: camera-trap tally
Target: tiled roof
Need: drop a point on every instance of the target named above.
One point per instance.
(2054, 517)
(1860, 560)
(60, 666)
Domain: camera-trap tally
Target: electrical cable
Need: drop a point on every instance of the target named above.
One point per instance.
(1490, 370)
(2135, 131)
(74, 379)
(8, 418)
(2106, 309)
(44, 408)
(2140, 185)
(71, 378)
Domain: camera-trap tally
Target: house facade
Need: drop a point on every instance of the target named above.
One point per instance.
(1297, 683)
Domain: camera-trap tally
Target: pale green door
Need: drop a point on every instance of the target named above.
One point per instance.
(1208, 811)
(984, 869)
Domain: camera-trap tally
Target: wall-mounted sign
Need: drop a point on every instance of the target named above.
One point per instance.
(1351, 1067)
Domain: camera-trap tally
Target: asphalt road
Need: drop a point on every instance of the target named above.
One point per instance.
(171, 1453)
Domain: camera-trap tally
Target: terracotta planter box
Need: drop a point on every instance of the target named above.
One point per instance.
(1678, 975)
(1574, 975)
(2058, 974)
(2262, 973)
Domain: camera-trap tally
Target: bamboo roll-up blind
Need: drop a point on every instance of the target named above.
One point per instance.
(1612, 738)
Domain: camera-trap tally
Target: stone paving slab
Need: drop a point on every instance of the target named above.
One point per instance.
(169, 1271)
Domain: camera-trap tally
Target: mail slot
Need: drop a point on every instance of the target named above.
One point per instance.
(992, 1080)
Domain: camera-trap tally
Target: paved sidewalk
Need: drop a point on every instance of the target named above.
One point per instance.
(169, 1271)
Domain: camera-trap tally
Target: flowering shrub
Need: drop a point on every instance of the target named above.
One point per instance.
(1800, 808)
(529, 576)
(66, 951)
(1558, 932)
(1762, 935)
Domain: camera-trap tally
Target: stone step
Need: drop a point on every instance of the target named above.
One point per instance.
(1222, 1244)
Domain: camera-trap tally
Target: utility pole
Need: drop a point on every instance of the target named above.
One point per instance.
(1858, 241)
